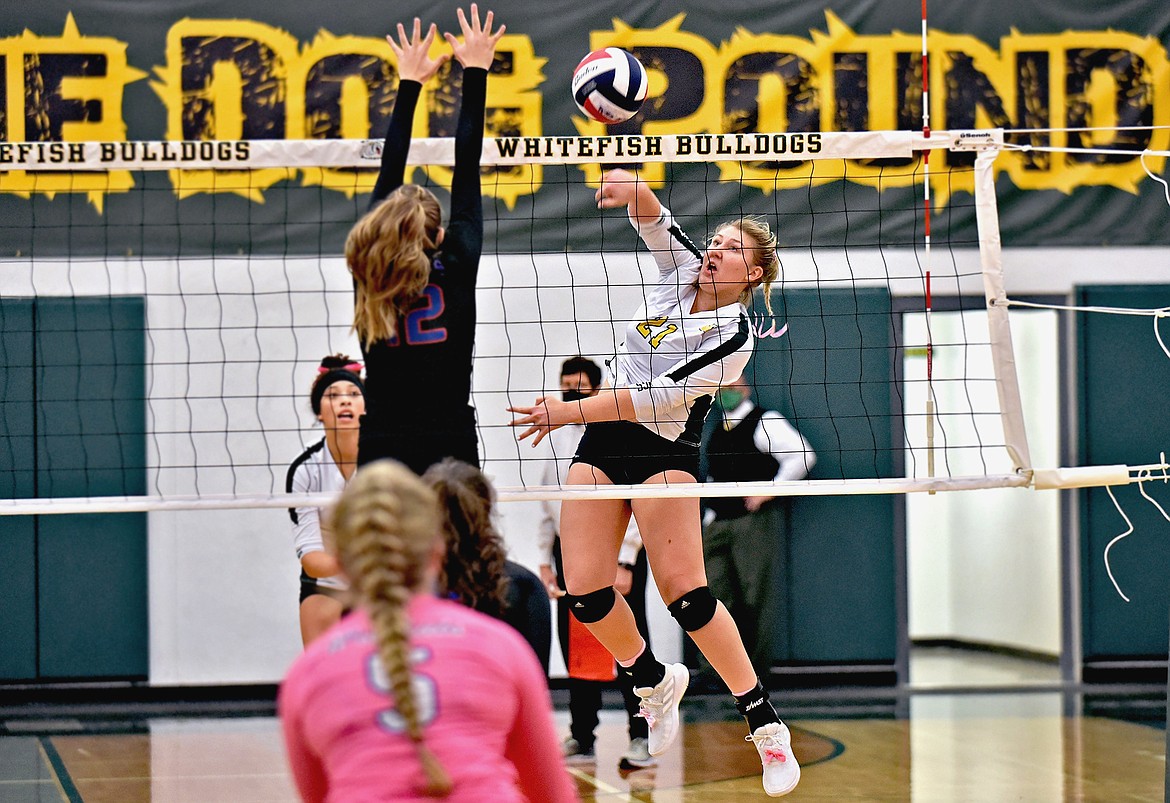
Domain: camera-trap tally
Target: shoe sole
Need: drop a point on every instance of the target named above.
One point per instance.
(683, 679)
(782, 792)
(640, 764)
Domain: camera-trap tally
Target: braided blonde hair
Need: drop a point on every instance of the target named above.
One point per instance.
(386, 526)
(389, 252)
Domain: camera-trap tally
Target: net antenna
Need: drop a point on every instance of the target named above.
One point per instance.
(930, 397)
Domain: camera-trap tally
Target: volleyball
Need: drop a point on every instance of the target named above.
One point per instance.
(609, 85)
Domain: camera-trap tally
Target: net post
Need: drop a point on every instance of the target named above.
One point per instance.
(1003, 358)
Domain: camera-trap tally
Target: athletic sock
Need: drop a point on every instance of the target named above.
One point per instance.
(755, 708)
(645, 670)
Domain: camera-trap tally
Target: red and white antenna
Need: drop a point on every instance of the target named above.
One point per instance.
(926, 257)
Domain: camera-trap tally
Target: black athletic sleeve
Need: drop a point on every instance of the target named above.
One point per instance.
(465, 228)
(397, 144)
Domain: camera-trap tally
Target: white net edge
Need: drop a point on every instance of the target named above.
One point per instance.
(159, 155)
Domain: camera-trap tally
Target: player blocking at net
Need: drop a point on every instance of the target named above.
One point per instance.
(414, 280)
(691, 335)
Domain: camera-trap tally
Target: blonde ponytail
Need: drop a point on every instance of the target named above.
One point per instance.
(386, 524)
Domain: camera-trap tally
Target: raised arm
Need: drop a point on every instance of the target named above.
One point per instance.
(415, 68)
(623, 188)
(475, 51)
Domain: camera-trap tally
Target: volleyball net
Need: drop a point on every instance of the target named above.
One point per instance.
(166, 304)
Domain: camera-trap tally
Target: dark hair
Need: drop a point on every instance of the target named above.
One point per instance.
(473, 568)
(582, 365)
(335, 368)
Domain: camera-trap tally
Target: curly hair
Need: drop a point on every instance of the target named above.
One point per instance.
(385, 528)
(389, 252)
(473, 570)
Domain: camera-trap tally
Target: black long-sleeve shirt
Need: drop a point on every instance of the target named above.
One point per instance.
(419, 381)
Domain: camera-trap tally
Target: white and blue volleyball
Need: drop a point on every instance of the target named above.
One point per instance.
(609, 85)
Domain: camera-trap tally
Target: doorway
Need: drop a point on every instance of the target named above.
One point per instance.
(984, 567)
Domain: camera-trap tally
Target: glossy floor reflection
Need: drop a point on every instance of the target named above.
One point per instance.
(854, 744)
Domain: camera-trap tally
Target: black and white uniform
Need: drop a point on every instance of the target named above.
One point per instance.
(753, 444)
(673, 361)
(313, 472)
(430, 354)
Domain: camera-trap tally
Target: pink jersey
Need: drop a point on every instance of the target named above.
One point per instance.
(484, 706)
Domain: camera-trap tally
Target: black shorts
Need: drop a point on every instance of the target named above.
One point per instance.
(418, 449)
(630, 454)
(309, 587)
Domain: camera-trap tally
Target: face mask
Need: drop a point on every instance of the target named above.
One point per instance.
(573, 395)
(728, 398)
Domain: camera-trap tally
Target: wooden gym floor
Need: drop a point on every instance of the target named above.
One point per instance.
(993, 737)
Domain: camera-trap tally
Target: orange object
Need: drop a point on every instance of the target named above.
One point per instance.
(588, 660)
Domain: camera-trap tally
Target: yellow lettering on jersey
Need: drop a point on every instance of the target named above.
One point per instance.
(654, 331)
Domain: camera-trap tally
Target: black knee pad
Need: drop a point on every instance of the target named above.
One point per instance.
(694, 609)
(592, 607)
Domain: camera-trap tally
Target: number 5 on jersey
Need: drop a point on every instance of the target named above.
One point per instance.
(426, 692)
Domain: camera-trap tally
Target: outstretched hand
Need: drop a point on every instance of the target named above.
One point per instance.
(413, 54)
(624, 188)
(478, 46)
(542, 418)
(618, 188)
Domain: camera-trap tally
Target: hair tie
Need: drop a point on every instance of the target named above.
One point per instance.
(353, 367)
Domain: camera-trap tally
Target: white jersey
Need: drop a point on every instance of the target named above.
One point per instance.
(673, 360)
(313, 472)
